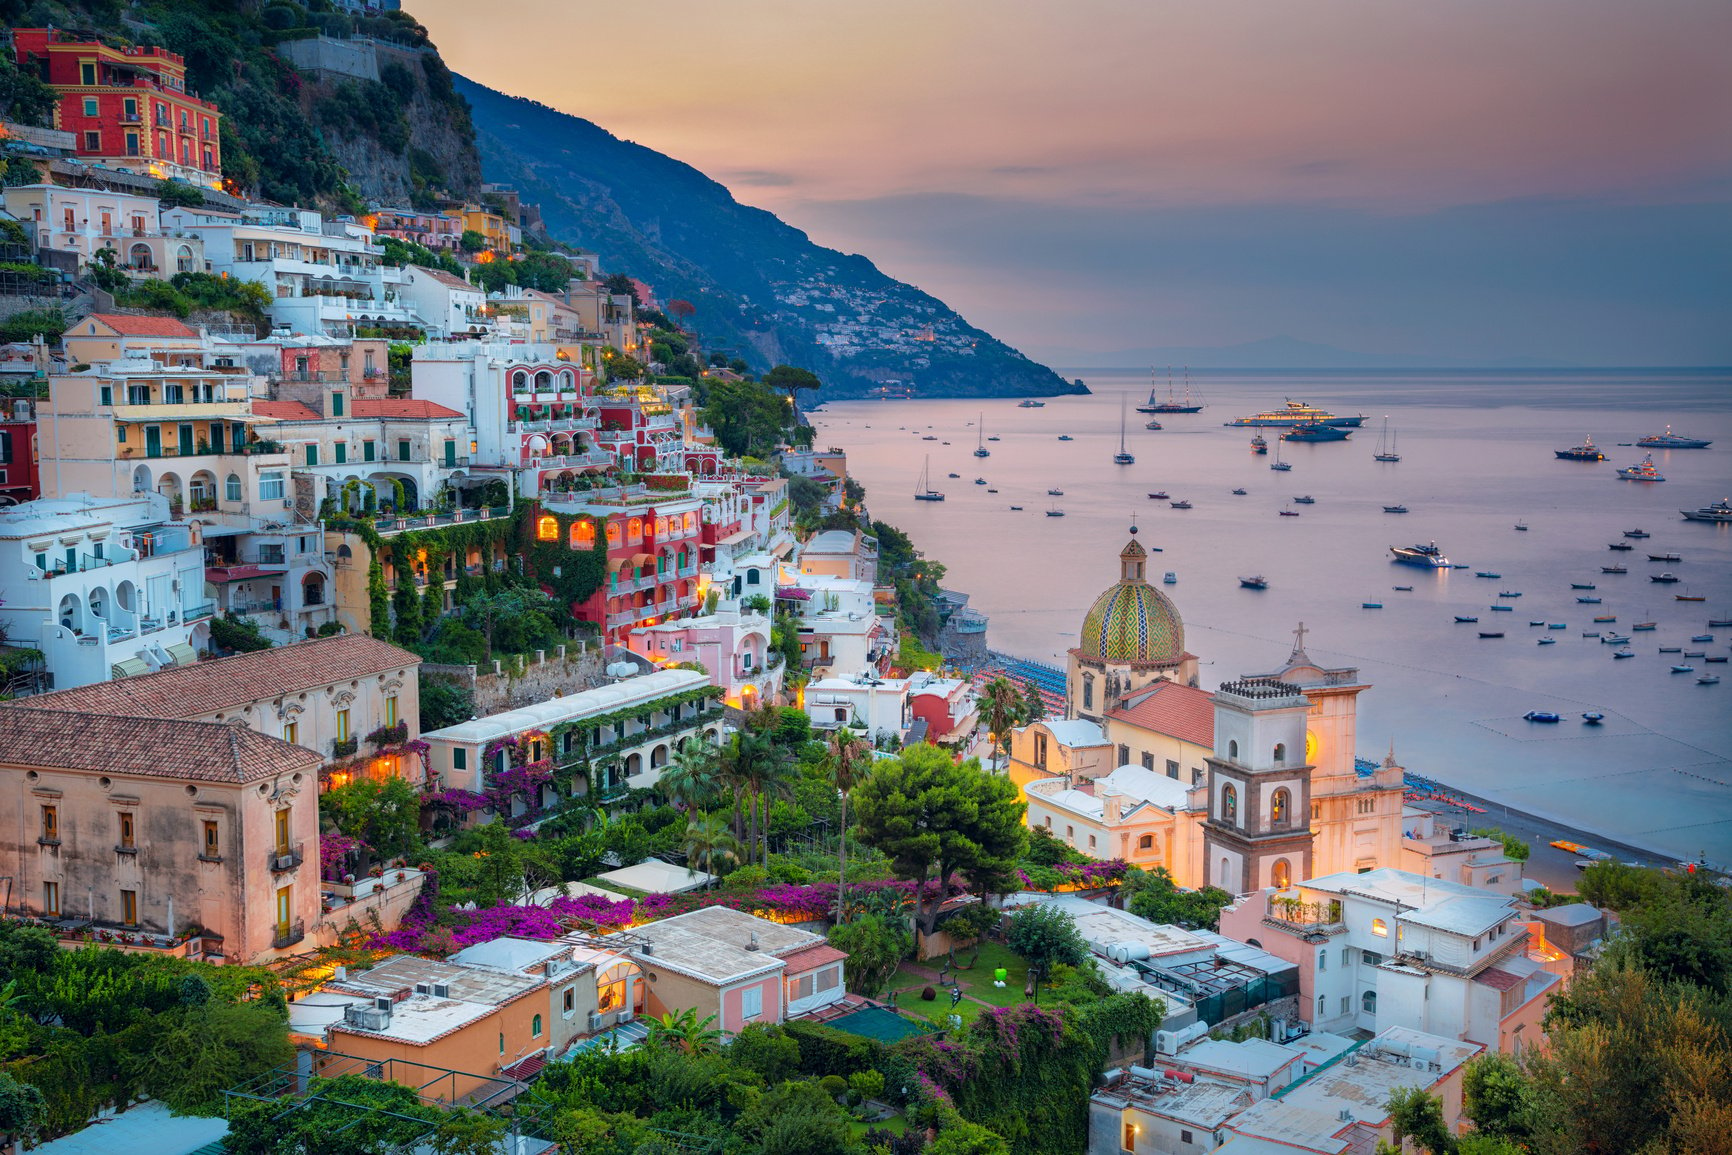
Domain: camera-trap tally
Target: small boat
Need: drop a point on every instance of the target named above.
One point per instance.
(1615, 639)
(1644, 627)
(1719, 623)
(1593, 717)
(1314, 431)
(1664, 579)
(929, 437)
(1402, 589)
(1590, 633)
(1066, 437)
(1586, 451)
(1491, 633)
(1180, 504)
(1643, 470)
(956, 475)
(1170, 578)
(1464, 620)
(1541, 622)
(1055, 493)
(1515, 593)
(1238, 493)
(1715, 658)
(1258, 445)
(1386, 445)
(1289, 513)
(1548, 641)
(1670, 440)
(1683, 668)
(1556, 625)
(1158, 495)
(1018, 508)
(1521, 527)
(1613, 569)
(1257, 582)
(1638, 534)
(1278, 465)
(993, 438)
(1695, 654)
(980, 481)
(1152, 425)
(1540, 716)
(1581, 585)
(1370, 605)
(1123, 456)
(1701, 637)
(1689, 597)
(1720, 511)
(1395, 509)
(1708, 680)
(1503, 609)
(1306, 499)
(991, 490)
(1606, 618)
(1588, 601)
(1055, 513)
(1671, 649)
(980, 449)
(1621, 546)
(925, 492)
(1030, 403)
(1619, 655)
(1665, 557)
(1485, 573)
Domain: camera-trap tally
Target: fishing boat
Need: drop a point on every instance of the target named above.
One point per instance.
(1402, 589)
(1238, 493)
(1152, 425)
(1386, 444)
(1172, 404)
(1395, 509)
(1620, 546)
(1665, 557)
(1055, 493)
(1256, 582)
(1258, 445)
(980, 449)
(1586, 451)
(1370, 605)
(1514, 593)
(1708, 680)
(1123, 456)
(1720, 511)
(1689, 597)
(1664, 579)
(1424, 556)
(1465, 619)
(1305, 499)
(1313, 431)
(1613, 569)
(1670, 440)
(1158, 495)
(1643, 470)
(1181, 504)
(1491, 633)
(1581, 585)
(1644, 627)
(1588, 601)
(1289, 513)
(1593, 717)
(924, 491)
(1637, 533)
(1521, 527)
(1539, 716)
(1548, 641)
(1297, 413)
(1486, 573)
(1170, 579)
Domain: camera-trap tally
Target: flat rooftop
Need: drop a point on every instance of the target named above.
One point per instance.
(715, 944)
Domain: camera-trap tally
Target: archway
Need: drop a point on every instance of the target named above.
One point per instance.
(1281, 874)
(141, 479)
(633, 764)
(70, 613)
(139, 257)
(659, 756)
(313, 589)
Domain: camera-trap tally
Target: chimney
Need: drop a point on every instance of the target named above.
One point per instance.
(753, 945)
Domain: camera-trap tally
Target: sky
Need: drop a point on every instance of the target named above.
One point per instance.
(1474, 179)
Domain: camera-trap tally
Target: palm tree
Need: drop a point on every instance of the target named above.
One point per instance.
(751, 764)
(1003, 708)
(684, 1032)
(848, 759)
(709, 841)
(692, 779)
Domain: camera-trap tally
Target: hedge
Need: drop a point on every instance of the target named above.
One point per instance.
(828, 1051)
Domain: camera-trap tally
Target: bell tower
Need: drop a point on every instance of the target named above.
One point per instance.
(1258, 832)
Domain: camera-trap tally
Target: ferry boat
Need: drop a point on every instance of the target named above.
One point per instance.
(1720, 511)
(1317, 431)
(1030, 403)
(1172, 404)
(1424, 556)
(1586, 451)
(1643, 470)
(925, 492)
(1297, 413)
(1256, 582)
(1670, 440)
(1258, 445)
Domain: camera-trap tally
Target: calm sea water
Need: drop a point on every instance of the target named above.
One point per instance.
(1476, 456)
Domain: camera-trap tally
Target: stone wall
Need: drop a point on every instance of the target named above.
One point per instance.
(322, 54)
(555, 673)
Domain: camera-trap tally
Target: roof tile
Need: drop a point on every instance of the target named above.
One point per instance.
(284, 410)
(131, 325)
(149, 747)
(1184, 712)
(400, 407)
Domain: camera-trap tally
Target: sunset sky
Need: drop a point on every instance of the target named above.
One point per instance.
(1481, 179)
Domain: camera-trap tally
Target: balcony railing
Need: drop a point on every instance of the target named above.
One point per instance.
(288, 934)
(1296, 914)
(344, 747)
(285, 859)
(198, 612)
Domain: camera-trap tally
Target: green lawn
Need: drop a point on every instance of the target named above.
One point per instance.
(896, 1124)
(976, 983)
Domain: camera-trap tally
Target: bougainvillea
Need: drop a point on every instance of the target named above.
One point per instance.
(1072, 875)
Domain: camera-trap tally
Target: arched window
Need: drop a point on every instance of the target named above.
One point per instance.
(613, 533)
(183, 262)
(1379, 928)
(1088, 692)
(232, 488)
(547, 529)
(583, 534)
(1281, 874)
(1368, 1002)
(1230, 804)
(566, 381)
(1146, 842)
(634, 529)
(661, 527)
(1281, 807)
(141, 256)
(751, 577)
(543, 381)
(535, 1027)
(1280, 753)
(520, 382)
(1233, 751)
(691, 521)
(1319, 1007)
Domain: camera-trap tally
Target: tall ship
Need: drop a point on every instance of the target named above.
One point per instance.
(1720, 511)
(1670, 440)
(1586, 451)
(1425, 556)
(1123, 456)
(1317, 431)
(1172, 404)
(1298, 413)
(924, 491)
(980, 449)
(1643, 470)
(1386, 450)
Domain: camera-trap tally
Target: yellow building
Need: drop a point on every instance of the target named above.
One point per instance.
(492, 227)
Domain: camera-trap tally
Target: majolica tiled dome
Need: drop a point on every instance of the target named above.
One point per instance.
(1133, 621)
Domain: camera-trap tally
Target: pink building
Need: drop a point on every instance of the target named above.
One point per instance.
(732, 646)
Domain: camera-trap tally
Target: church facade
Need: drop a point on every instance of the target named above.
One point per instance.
(1253, 785)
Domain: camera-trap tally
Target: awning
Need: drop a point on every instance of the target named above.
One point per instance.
(183, 654)
(784, 549)
(736, 537)
(129, 667)
(206, 411)
(222, 575)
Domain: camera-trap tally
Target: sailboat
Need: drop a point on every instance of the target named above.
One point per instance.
(1123, 456)
(1172, 404)
(980, 449)
(1386, 446)
(1278, 464)
(925, 492)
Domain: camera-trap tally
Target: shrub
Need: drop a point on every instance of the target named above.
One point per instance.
(927, 994)
(834, 1086)
(828, 1051)
(867, 1084)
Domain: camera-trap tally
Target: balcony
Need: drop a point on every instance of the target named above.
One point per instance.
(390, 525)
(198, 612)
(288, 934)
(284, 859)
(1305, 917)
(344, 747)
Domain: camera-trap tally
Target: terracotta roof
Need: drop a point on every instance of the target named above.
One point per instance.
(402, 407)
(448, 279)
(189, 691)
(150, 747)
(812, 957)
(1502, 980)
(129, 325)
(223, 574)
(1184, 712)
(285, 411)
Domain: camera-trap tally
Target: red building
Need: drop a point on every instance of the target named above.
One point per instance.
(126, 107)
(652, 570)
(19, 481)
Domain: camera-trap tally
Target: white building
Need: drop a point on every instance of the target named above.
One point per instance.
(1436, 850)
(104, 587)
(876, 706)
(840, 630)
(451, 306)
(86, 221)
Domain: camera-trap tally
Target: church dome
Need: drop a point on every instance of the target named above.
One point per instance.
(1133, 621)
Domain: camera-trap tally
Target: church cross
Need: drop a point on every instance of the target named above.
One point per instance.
(1299, 639)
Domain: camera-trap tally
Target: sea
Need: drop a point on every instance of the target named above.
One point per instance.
(1476, 459)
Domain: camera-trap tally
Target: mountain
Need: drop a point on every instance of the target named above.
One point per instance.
(761, 288)
(1276, 353)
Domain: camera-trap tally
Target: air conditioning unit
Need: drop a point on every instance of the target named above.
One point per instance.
(626, 1016)
(285, 862)
(594, 1021)
(384, 1003)
(441, 990)
(423, 989)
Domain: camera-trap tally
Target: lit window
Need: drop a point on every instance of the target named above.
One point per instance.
(610, 997)
(391, 710)
(342, 725)
(547, 529)
(1379, 928)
